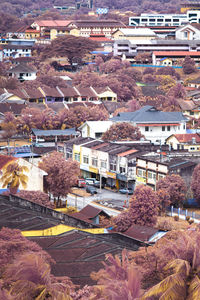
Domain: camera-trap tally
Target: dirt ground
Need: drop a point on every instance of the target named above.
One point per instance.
(80, 192)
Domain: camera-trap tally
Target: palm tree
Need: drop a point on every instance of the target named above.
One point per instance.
(13, 176)
(182, 282)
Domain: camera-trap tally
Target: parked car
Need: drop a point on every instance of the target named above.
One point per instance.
(97, 184)
(128, 191)
(90, 181)
(91, 189)
(81, 182)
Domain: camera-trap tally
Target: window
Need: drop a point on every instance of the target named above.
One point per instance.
(151, 175)
(163, 128)
(168, 128)
(98, 135)
(77, 157)
(191, 113)
(146, 128)
(113, 167)
(122, 170)
(68, 155)
(185, 34)
(141, 173)
(160, 176)
(85, 159)
(94, 161)
(103, 164)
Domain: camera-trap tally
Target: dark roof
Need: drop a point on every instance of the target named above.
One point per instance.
(196, 80)
(91, 211)
(41, 106)
(78, 141)
(22, 68)
(55, 132)
(11, 107)
(56, 107)
(16, 212)
(151, 91)
(149, 114)
(33, 93)
(43, 150)
(112, 106)
(99, 23)
(141, 233)
(86, 92)
(52, 92)
(69, 91)
(17, 92)
(78, 253)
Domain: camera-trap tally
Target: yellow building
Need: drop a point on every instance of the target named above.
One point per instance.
(31, 33)
(187, 141)
(134, 34)
(166, 61)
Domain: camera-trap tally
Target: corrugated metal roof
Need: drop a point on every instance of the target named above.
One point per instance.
(127, 152)
(70, 131)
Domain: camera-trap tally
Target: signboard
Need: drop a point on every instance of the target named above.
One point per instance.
(111, 175)
(101, 11)
(94, 170)
(140, 179)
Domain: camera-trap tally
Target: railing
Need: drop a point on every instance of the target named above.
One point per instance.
(156, 66)
(183, 212)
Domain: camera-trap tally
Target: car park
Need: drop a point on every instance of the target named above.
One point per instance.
(128, 191)
(91, 189)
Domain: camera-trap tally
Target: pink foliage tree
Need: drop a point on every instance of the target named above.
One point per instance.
(175, 187)
(62, 174)
(37, 197)
(195, 183)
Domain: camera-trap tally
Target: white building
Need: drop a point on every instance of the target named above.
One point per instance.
(187, 32)
(94, 129)
(165, 19)
(154, 124)
(23, 72)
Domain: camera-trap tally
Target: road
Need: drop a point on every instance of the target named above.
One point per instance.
(111, 202)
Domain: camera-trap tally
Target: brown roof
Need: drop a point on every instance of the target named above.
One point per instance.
(11, 107)
(17, 92)
(141, 233)
(68, 91)
(52, 92)
(186, 104)
(112, 106)
(100, 23)
(56, 106)
(91, 211)
(187, 137)
(41, 106)
(86, 92)
(33, 93)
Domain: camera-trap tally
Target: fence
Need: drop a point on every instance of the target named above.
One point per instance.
(183, 212)
(156, 66)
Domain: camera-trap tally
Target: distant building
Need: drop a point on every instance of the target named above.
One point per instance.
(165, 19)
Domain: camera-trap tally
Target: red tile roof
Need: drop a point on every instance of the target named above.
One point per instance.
(177, 53)
(127, 152)
(187, 137)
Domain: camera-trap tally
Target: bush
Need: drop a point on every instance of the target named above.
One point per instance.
(191, 221)
(187, 218)
(176, 218)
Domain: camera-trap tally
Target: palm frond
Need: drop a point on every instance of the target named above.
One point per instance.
(173, 283)
(194, 289)
(179, 266)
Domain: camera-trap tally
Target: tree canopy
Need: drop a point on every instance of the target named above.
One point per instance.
(122, 131)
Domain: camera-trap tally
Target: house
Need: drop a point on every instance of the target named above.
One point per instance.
(94, 129)
(151, 168)
(189, 108)
(16, 50)
(51, 95)
(134, 34)
(23, 72)
(35, 174)
(31, 33)
(53, 135)
(187, 32)
(154, 124)
(92, 214)
(105, 94)
(13, 96)
(174, 56)
(195, 83)
(187, 141)
(165, 61)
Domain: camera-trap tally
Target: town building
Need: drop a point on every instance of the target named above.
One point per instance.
(187, 141)
(174, 56)
(165, 19)
(187, 32)
(23, 72)
(151, 168)
(134, 34)
(154, 124)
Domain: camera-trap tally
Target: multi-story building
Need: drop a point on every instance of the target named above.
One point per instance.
(154, 124)
(134, 47)
(165, 19)
(150, 169)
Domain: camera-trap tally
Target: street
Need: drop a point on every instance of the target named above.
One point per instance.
(112, 201)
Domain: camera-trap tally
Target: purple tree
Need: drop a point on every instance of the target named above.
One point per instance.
(195, 183)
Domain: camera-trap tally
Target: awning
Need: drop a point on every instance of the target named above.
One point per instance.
(164, 124)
